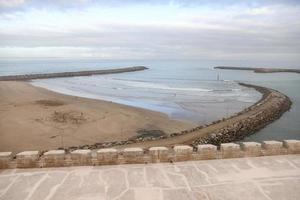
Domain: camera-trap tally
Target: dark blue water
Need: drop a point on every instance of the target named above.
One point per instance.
(185, 90)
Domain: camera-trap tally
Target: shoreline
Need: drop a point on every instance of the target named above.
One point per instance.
(36, 118)
(154, 129)
(269, 108)
(259, 69)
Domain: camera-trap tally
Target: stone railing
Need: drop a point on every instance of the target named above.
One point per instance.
(111, 156)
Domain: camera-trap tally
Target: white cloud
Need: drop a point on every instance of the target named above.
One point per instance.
(37, 52)
(269, 32)
(11, 3)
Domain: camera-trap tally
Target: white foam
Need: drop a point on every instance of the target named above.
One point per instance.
(141, 84)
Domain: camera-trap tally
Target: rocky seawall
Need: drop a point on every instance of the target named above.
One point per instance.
(70, 74)
(270, 107)
(259, 69)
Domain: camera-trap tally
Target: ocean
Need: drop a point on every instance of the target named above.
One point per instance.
(184, 90)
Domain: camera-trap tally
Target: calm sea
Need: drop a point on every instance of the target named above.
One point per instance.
(185, 90)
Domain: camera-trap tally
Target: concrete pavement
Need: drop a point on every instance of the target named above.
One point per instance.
(271, 177)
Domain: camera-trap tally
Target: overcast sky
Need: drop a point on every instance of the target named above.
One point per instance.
(136, 29)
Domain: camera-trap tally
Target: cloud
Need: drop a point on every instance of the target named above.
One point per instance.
(154, 30)
(11, 3)
(23, 5)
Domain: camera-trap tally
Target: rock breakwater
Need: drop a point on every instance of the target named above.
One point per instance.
(70, 74)
(259, 69)
(270, 108)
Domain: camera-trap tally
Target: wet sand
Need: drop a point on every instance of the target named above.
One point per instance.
(33, 118)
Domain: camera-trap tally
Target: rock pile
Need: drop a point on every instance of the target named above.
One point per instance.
(277, 105)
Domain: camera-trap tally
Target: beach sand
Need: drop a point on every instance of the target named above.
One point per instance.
(33, 118)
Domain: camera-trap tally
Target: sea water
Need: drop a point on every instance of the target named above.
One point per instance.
(185, 90)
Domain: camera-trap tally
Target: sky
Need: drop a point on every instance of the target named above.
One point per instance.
(138, 29)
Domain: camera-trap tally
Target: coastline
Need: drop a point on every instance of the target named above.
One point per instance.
(91, 134)
(35, 118)
(269, 108)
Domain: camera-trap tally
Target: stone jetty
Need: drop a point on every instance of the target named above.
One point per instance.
(259, 69)
(70, 74)
(271, 106)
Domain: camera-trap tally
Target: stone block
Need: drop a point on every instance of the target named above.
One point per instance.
(107, 156)
(54, 158)
(81, 157)
(292, 146)
(5, 158)
(251, 149)
(28, 159)
(272, 148)
(159, 154)
(133, 155)
(206, 151)
(183, 152)
(230, 150)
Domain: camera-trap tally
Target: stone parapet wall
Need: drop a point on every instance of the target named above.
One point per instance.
(59, 158)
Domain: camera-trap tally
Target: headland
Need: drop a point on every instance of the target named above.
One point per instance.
(259, 69)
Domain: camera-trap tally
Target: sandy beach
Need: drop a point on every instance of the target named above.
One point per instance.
(33, 118)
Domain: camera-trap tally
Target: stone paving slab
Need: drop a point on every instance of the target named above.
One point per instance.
(270, 177)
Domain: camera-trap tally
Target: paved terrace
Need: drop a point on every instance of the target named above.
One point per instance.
(270, 177)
